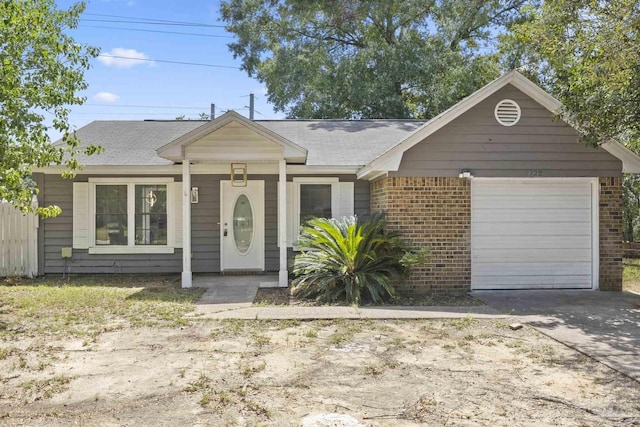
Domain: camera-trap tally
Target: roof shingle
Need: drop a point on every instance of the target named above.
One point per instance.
(328, 142)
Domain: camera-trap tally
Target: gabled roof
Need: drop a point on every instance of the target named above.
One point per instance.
(352, 143)
(391, 158)
(373, 146)
(175, 149)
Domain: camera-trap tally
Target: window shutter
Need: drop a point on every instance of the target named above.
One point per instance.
(81, 215)
(290, 232)
(345, 203)
(177, 194)
(289, 215)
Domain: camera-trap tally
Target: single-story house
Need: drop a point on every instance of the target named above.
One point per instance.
(504, 194)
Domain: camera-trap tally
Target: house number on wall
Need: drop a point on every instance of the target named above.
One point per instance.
(534, 172)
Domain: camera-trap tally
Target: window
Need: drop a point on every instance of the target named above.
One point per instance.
(314, 197)
(151, 214)
(131, 215)
(111, 215)
(315, 201)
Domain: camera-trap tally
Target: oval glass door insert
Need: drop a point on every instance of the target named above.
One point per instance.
(242, 224)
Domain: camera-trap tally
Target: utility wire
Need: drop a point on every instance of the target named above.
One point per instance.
(152, 20)
(143, 106)
(133, 114)
(106, 55)
(177, 24)
(156, 31)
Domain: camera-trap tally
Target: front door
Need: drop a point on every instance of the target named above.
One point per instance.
(242, 226)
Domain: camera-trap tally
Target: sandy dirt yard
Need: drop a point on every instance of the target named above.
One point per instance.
(251, 373)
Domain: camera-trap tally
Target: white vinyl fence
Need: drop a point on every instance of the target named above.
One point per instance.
(18, 242)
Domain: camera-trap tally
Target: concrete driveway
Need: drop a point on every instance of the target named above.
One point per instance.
(602, 325)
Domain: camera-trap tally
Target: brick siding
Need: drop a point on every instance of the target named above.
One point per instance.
(434, 212)
(611, 234)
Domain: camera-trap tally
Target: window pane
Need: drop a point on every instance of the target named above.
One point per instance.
(243, 224)
(111, 215)
(315, 201)
(151, 214)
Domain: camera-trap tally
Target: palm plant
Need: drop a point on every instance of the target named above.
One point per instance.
(344, 259)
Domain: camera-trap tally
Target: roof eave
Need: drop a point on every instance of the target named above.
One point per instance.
(630, 161)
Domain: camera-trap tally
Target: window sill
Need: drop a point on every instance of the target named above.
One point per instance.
(131, 250)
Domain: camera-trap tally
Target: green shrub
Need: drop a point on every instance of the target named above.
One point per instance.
(352, 261)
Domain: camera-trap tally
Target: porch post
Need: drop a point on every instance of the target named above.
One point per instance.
(186, 224)
(283, 279)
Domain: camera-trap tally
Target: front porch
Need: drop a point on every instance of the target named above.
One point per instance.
(247, 159)
(232, 292)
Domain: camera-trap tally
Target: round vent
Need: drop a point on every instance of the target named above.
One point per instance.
(507, 112)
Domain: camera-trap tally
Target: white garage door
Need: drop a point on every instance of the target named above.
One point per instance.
(531, 233)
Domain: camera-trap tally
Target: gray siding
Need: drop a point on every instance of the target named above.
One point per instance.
(58, 232)
(538, 145)
(205, 231)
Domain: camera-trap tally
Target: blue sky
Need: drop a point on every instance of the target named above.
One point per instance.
(116, 84)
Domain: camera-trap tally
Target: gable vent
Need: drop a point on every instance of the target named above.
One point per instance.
(507, 112)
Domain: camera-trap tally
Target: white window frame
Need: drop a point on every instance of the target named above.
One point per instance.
(131, 247)
(335, 199)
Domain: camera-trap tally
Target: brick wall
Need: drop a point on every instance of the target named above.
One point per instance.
(611, 234)
(378, 195)
(434, 212)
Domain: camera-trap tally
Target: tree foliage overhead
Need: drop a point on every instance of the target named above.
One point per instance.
(587, 53)
(41, 70)
(367, 59)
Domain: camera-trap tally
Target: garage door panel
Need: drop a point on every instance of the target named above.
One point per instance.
(531, 215)
(531, 229)
(530, 268)
(532, 242)
(520, 282)
(533, 255)
(529, 234)
(543, 283)
(527, 202)
(538, 189)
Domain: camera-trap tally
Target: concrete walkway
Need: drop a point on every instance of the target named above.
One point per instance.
(230, 292)
(231, 297)
(602, 325)
(227, 311)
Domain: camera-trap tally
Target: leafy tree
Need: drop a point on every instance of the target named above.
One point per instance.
(41, 70)
(367, 59)
(350, 260)
(631, 207)
(587, 54)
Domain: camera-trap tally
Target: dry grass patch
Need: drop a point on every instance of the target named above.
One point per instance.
(86, 306)
(631, 275)
(282, 296)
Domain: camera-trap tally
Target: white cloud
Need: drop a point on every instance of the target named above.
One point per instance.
(106, 97)
(118, 57)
